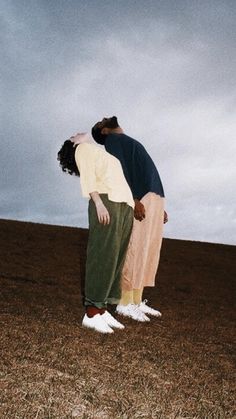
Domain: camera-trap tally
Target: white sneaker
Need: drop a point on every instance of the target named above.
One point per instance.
(97, 323)
(148, 310)
(111, 321)
(132, 311)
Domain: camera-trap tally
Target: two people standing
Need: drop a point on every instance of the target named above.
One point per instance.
(126, 215)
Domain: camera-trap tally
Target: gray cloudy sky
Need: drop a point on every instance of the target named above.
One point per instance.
(166, 68)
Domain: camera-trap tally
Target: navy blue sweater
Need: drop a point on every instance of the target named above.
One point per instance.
(138, 167)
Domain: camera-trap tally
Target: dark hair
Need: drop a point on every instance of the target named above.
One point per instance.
(96, 130)
(98, 136)
(66, 157)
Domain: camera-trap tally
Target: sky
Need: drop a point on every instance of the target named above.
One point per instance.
(165, 68)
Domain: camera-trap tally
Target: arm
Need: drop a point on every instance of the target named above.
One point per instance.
(86, 160)
(102, 213)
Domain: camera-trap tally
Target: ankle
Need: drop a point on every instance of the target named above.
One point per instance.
(127, 298)
(138, 293)
(91, 311)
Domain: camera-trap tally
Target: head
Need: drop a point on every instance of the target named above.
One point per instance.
(66, 157)
(104, 127)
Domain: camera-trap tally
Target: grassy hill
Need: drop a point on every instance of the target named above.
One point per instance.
(179, 366)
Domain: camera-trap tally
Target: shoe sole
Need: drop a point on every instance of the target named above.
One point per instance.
(121, 326)
(151, 314)
(130, 317)
(96, 330)
(117, 327)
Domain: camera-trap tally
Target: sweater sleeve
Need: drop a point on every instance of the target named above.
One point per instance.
(86, 161)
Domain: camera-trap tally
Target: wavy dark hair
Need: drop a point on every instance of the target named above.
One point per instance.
(66, 158)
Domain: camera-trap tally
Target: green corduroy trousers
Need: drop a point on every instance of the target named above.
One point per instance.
(106, 251)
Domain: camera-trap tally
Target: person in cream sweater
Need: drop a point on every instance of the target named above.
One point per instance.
(110, 224)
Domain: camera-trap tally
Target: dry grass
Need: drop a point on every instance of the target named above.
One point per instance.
(178, 367)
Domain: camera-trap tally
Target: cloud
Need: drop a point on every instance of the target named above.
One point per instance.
(166, 70)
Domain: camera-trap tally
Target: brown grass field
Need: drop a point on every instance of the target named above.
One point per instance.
(179, 366)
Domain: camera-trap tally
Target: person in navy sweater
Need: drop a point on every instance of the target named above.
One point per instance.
(143, 253)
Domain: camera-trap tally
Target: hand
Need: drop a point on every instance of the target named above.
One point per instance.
(102, 213)
(165, 217)
(139, 210)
